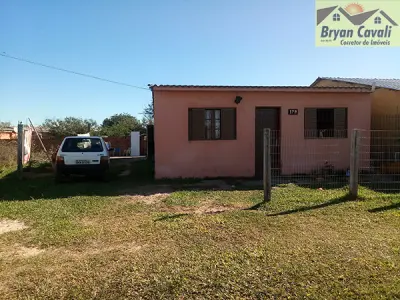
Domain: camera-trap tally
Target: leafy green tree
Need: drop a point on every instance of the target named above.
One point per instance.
(120, 125)
(69, 126)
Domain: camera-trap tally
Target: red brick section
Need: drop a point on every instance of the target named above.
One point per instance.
(121, 143)
(50, 143)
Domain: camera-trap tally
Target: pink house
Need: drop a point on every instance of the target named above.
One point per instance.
(217, 131)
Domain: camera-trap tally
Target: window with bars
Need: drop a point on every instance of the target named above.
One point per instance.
(325, 123)
(212, 124)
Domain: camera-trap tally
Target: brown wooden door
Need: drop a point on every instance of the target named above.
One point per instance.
(267, 117)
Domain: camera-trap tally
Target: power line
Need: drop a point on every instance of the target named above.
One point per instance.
(71, 72)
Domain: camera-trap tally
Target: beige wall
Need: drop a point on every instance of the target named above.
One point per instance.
(176, 156)
(386, 102)
(385, 105)
(326, 82)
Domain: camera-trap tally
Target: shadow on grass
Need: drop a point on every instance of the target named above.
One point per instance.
(257, 206)
(37, 183)
(385, 208)
(140, 182)
(335, 201)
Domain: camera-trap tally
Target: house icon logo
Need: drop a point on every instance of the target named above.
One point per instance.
(358, 24)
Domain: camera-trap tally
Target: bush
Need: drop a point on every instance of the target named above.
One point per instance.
(8, 153)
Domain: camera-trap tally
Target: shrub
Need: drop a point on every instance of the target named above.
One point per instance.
(8, 153)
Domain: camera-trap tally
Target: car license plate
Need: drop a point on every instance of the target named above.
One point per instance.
(82, 162)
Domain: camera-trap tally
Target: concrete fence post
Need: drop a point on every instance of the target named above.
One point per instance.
(20, 149)
(354, 162)
(267, 165)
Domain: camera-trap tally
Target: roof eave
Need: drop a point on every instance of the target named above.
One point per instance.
(346, 81)
(262, 89)
(316, 82)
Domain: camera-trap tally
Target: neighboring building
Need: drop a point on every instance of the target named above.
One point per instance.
(385, 111)
(8, 133)
(217, 131)
(385, 117)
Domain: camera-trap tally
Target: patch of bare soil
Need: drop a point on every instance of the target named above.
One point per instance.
(28, 252)
(150, 199)
(18, 251)
(204, 210)
(147, 194)
(11, 225)
(99, 248)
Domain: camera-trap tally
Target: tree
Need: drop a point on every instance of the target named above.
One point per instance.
(148, 114)
(5, 124)
(120, 125)
(69, 126)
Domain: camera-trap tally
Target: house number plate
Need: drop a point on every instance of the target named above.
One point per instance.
(293, 112)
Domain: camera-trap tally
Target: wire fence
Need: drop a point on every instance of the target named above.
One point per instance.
(310, 161)
(325, 162)
(379, 155)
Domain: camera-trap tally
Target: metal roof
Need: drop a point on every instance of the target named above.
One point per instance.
(260, 88)
(393, 84)
(8, 129)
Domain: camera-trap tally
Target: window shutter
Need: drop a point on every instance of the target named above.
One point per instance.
(228, 124)
(310, 123)
(341, 122)
(197, 124)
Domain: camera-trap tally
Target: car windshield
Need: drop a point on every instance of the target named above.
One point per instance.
(84, 144)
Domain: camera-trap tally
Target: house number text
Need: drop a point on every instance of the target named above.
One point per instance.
(293, 112)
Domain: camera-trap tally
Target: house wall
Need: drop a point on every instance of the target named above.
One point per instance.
(8, 135)
(176, 156)
(385, 105)
(328, 83)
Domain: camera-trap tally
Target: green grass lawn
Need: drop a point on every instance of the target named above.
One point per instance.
(122, 240)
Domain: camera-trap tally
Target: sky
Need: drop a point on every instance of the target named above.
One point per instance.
(141, 42)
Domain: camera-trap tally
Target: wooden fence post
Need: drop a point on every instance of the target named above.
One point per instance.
(354, 163)
(267, 165)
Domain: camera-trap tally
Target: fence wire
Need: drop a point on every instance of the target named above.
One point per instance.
(312, 161)
(379, 156)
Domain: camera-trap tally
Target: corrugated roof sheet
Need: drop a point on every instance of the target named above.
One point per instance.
(235, 87)
(393, 84)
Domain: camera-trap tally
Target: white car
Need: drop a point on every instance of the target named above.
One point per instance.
(83, 155)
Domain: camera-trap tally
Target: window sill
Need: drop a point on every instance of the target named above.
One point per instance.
(215, 140)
